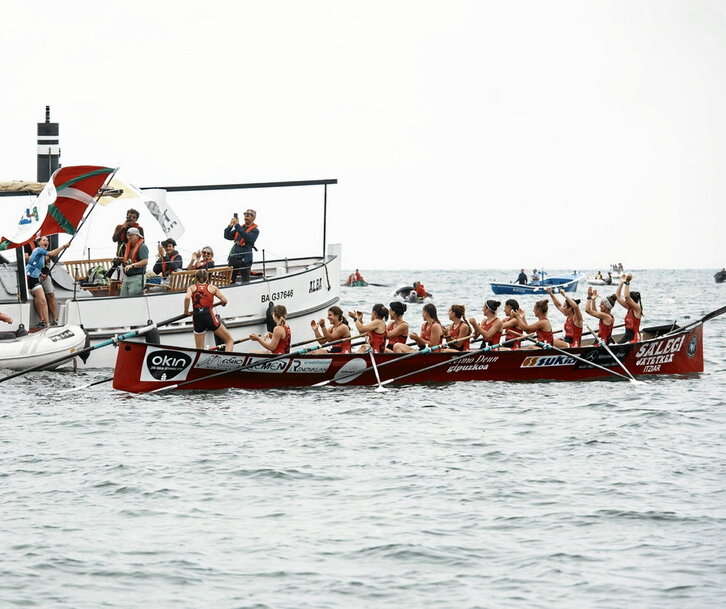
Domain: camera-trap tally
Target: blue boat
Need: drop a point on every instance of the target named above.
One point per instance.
(567, 282)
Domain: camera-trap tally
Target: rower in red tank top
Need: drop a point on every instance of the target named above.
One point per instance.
(632, 324)
(395, 340)
(573, 319)
(459, 328)
(278, 341)
(631, 301)
(573, 334)
(200, 297)
(606, 321)
(283, 345)
(490, 328)
(541, 327)
(545, 336)
(336, 334)
(375, 330)
(510, 326)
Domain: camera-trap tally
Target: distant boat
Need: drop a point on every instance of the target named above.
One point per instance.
(355, 284)
(407, 293)
(567, 282)
(720, 277)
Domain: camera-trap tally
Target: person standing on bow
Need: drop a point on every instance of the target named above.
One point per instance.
(573, 322)
(121, 231)
(631, 301)
(134, 258)
(244, 237)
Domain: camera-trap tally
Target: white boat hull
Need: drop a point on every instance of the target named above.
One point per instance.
(41, 348)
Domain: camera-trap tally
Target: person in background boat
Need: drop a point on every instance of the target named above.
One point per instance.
(490, 329)
(47, 283)
(535, 275)
(244, 237)
(134, 258)
(459, 328)
(375, 329)
(609, 280)
(604, 315)
(36, 272)
(510, 327)
(120, 232)
(522, 277)
(6, 318)
(598, 275)
(168, 260)
(278, 341)
(420, 290)
(397, 330)
(353, 277)
(339, 330)
(200, 296)
(631, 301)
(432, 332)
(542, 327)
(573, 319)
(202, 259)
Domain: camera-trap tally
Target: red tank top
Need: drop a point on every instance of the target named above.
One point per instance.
(511, 333)
(632, 323)
(605, 332)
(573, 331)
(426, 332)
(284, 345)
(394, 340)
(494, 340)
(201, 298)
(545, 336)
(464, 345)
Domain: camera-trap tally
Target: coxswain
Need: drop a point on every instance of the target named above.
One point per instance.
(375, 329)
(631, 301)
(490, 329)
(432, 332)
(542, 327)
(573, 319)
(338, 331)
(278, 341)
(606, 321)
(397, 330)
(200, 296)
(509, 324)
(459, 329)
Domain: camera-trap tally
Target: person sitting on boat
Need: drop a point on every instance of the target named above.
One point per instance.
(169, 260)
(36, 272)
(6, 318)
(604, 315)
(278, 341)
(573, 322)
(598, 275)
(397, 330)
(609, 280)
(375, 329)
(120, 235)
(459, 329)
(244, 237)
(339, 330)
(420, 290)
(490, 329)
(200, 296)
(510, 327)
(542, 327)
(522, 277)
(631, 301)
(47, 283)
(202, 259)
(432, 332)
(134, 258)
(535, 275)
(354, 277)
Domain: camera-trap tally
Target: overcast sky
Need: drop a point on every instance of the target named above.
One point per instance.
(474, 134)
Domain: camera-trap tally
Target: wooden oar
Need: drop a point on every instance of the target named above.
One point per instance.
(609, 350)
(248, 366)
(104, 343)
(458, 357)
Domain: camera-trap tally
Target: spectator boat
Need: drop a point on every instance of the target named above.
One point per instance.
(20, 350)
(567, 282)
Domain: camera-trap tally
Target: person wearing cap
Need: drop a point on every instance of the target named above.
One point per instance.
(135, 257)
(244, 237)
(573, 322)
(120, 232)
(169, 259)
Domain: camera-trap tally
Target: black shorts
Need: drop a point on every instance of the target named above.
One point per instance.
(33, 282)
(205, 320)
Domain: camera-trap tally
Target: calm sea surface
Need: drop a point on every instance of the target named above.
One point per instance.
(580, 495)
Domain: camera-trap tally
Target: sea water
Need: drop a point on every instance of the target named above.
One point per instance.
(598, 494)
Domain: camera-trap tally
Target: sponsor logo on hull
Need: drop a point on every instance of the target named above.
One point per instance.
(165, 365)
(547, 361)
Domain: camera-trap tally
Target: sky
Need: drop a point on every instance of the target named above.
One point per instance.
(464, 135)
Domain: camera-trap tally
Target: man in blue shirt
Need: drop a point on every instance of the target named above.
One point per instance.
(244, 237)
(36, 272)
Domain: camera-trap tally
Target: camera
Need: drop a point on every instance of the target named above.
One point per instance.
(114, 265)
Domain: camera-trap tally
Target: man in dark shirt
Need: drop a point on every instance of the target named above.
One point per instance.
(244, 237)
(522, 279)
(169, 259)
(119, 233)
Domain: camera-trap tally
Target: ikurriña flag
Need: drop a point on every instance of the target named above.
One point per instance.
(61, 205)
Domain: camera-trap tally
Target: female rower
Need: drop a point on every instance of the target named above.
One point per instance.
(432, 333)
(376, 329)
(604, 315)
(542, 327)
(397, 330)
(200, 296)
(510, 325)
(458, 329)
(631, 301)
(573, 322)
(278, 341)
(490, 329)
(339, 330)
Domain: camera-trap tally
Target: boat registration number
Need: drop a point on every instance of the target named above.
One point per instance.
(281, 295)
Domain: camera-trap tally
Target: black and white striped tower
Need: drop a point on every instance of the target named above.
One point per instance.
(48, 156)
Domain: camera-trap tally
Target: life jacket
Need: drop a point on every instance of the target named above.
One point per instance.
(123, 238)
(632, 323)
(461, 345)
(394, 340)
(239, 238)
(573, 332)
(426, 332)
(511, 333)
(545, 337)
(377, 341)
(164, 262)
(201, 298)
(494, 340)
(420, 291)
(605, 333)
(284, 345)
(133, 255)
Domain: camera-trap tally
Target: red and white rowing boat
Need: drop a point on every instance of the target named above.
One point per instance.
(663, 350)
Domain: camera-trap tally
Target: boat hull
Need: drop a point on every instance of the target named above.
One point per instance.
(568, 284)
(143, 368)
(720, 277)
(41, 348)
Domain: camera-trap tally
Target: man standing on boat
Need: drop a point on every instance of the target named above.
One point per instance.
(244, 237)
(121, 231)
(522, 278)
(135, 256)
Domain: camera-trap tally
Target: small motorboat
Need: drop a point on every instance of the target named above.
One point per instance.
(600, 279)
(567, 282)
(355, 284)
(407, 293)
(720, 277)
(20, 350)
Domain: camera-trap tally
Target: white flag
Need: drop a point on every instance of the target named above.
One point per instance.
(155, 201)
